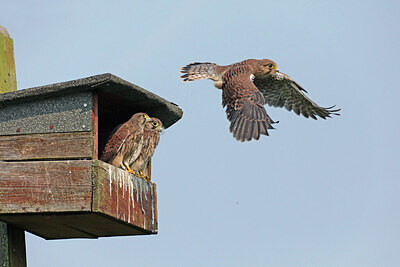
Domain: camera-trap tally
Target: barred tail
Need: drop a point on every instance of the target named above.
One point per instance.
(197, 71)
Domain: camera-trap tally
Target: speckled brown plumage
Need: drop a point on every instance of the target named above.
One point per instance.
(126, 143)
(151, 137)
(247, 86)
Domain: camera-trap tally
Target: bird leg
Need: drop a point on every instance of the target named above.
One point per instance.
(127, 168)
(144, 176)
(139, 174)
(122, 166)
(131, 171)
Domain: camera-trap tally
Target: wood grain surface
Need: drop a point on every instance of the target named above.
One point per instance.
(77, 145)
(45, 186)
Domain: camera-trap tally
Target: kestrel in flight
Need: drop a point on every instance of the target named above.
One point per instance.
(151, 137)
(247, 86)
(124, 146)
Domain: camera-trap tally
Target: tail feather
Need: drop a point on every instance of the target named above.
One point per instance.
(197, 71)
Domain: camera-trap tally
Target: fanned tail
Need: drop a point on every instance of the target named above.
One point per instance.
(197, 71)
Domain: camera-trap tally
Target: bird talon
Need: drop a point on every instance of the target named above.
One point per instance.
(128, 169)
(147, 179)
(140, 174)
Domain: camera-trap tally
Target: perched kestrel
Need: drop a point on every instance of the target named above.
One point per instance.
(125, 145)
(247, 86)
(151, 137)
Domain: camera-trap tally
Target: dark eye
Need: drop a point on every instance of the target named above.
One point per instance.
(155, 123)
(144, 115)
(270, 66)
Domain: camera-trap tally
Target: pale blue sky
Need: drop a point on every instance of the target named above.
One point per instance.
(313, 193)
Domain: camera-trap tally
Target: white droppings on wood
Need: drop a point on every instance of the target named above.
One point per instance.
(153, 217)
(116, 190)
(135, 189)
(110, 176)
(131, 196)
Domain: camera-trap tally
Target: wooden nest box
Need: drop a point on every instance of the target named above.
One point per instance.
(51, 181)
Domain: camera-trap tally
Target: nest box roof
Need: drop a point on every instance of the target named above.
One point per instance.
(109, 88)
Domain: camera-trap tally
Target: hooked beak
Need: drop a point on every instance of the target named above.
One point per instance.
(273, 71)
(160, 129)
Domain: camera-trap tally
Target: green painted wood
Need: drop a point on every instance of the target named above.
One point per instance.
(8, 80)
(12, 239)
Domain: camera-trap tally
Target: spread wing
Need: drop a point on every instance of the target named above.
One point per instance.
(115, 143)
(280, 90)
(244, 105)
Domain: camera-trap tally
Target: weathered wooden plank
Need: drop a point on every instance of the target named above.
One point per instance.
(72, 225)
(45, 186)
(76, 199)
(95, 124)
(123, 196)
(77, 145)
(50, 225)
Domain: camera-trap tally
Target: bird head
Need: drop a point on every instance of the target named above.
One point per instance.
(267, 67)
(140, 118)
(155, 125)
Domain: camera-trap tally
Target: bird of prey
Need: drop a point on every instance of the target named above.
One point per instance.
(125, 144)
(247, 86)
(151, 137)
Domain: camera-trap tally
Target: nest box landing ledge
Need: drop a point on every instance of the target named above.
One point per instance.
(51, 181)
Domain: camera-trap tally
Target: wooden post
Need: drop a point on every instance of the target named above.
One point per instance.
(12, 239)
(8, 80)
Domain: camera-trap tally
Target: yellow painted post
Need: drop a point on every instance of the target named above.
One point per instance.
(12, 239)
(8, 79)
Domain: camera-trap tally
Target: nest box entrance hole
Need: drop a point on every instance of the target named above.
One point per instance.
(110, 111)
